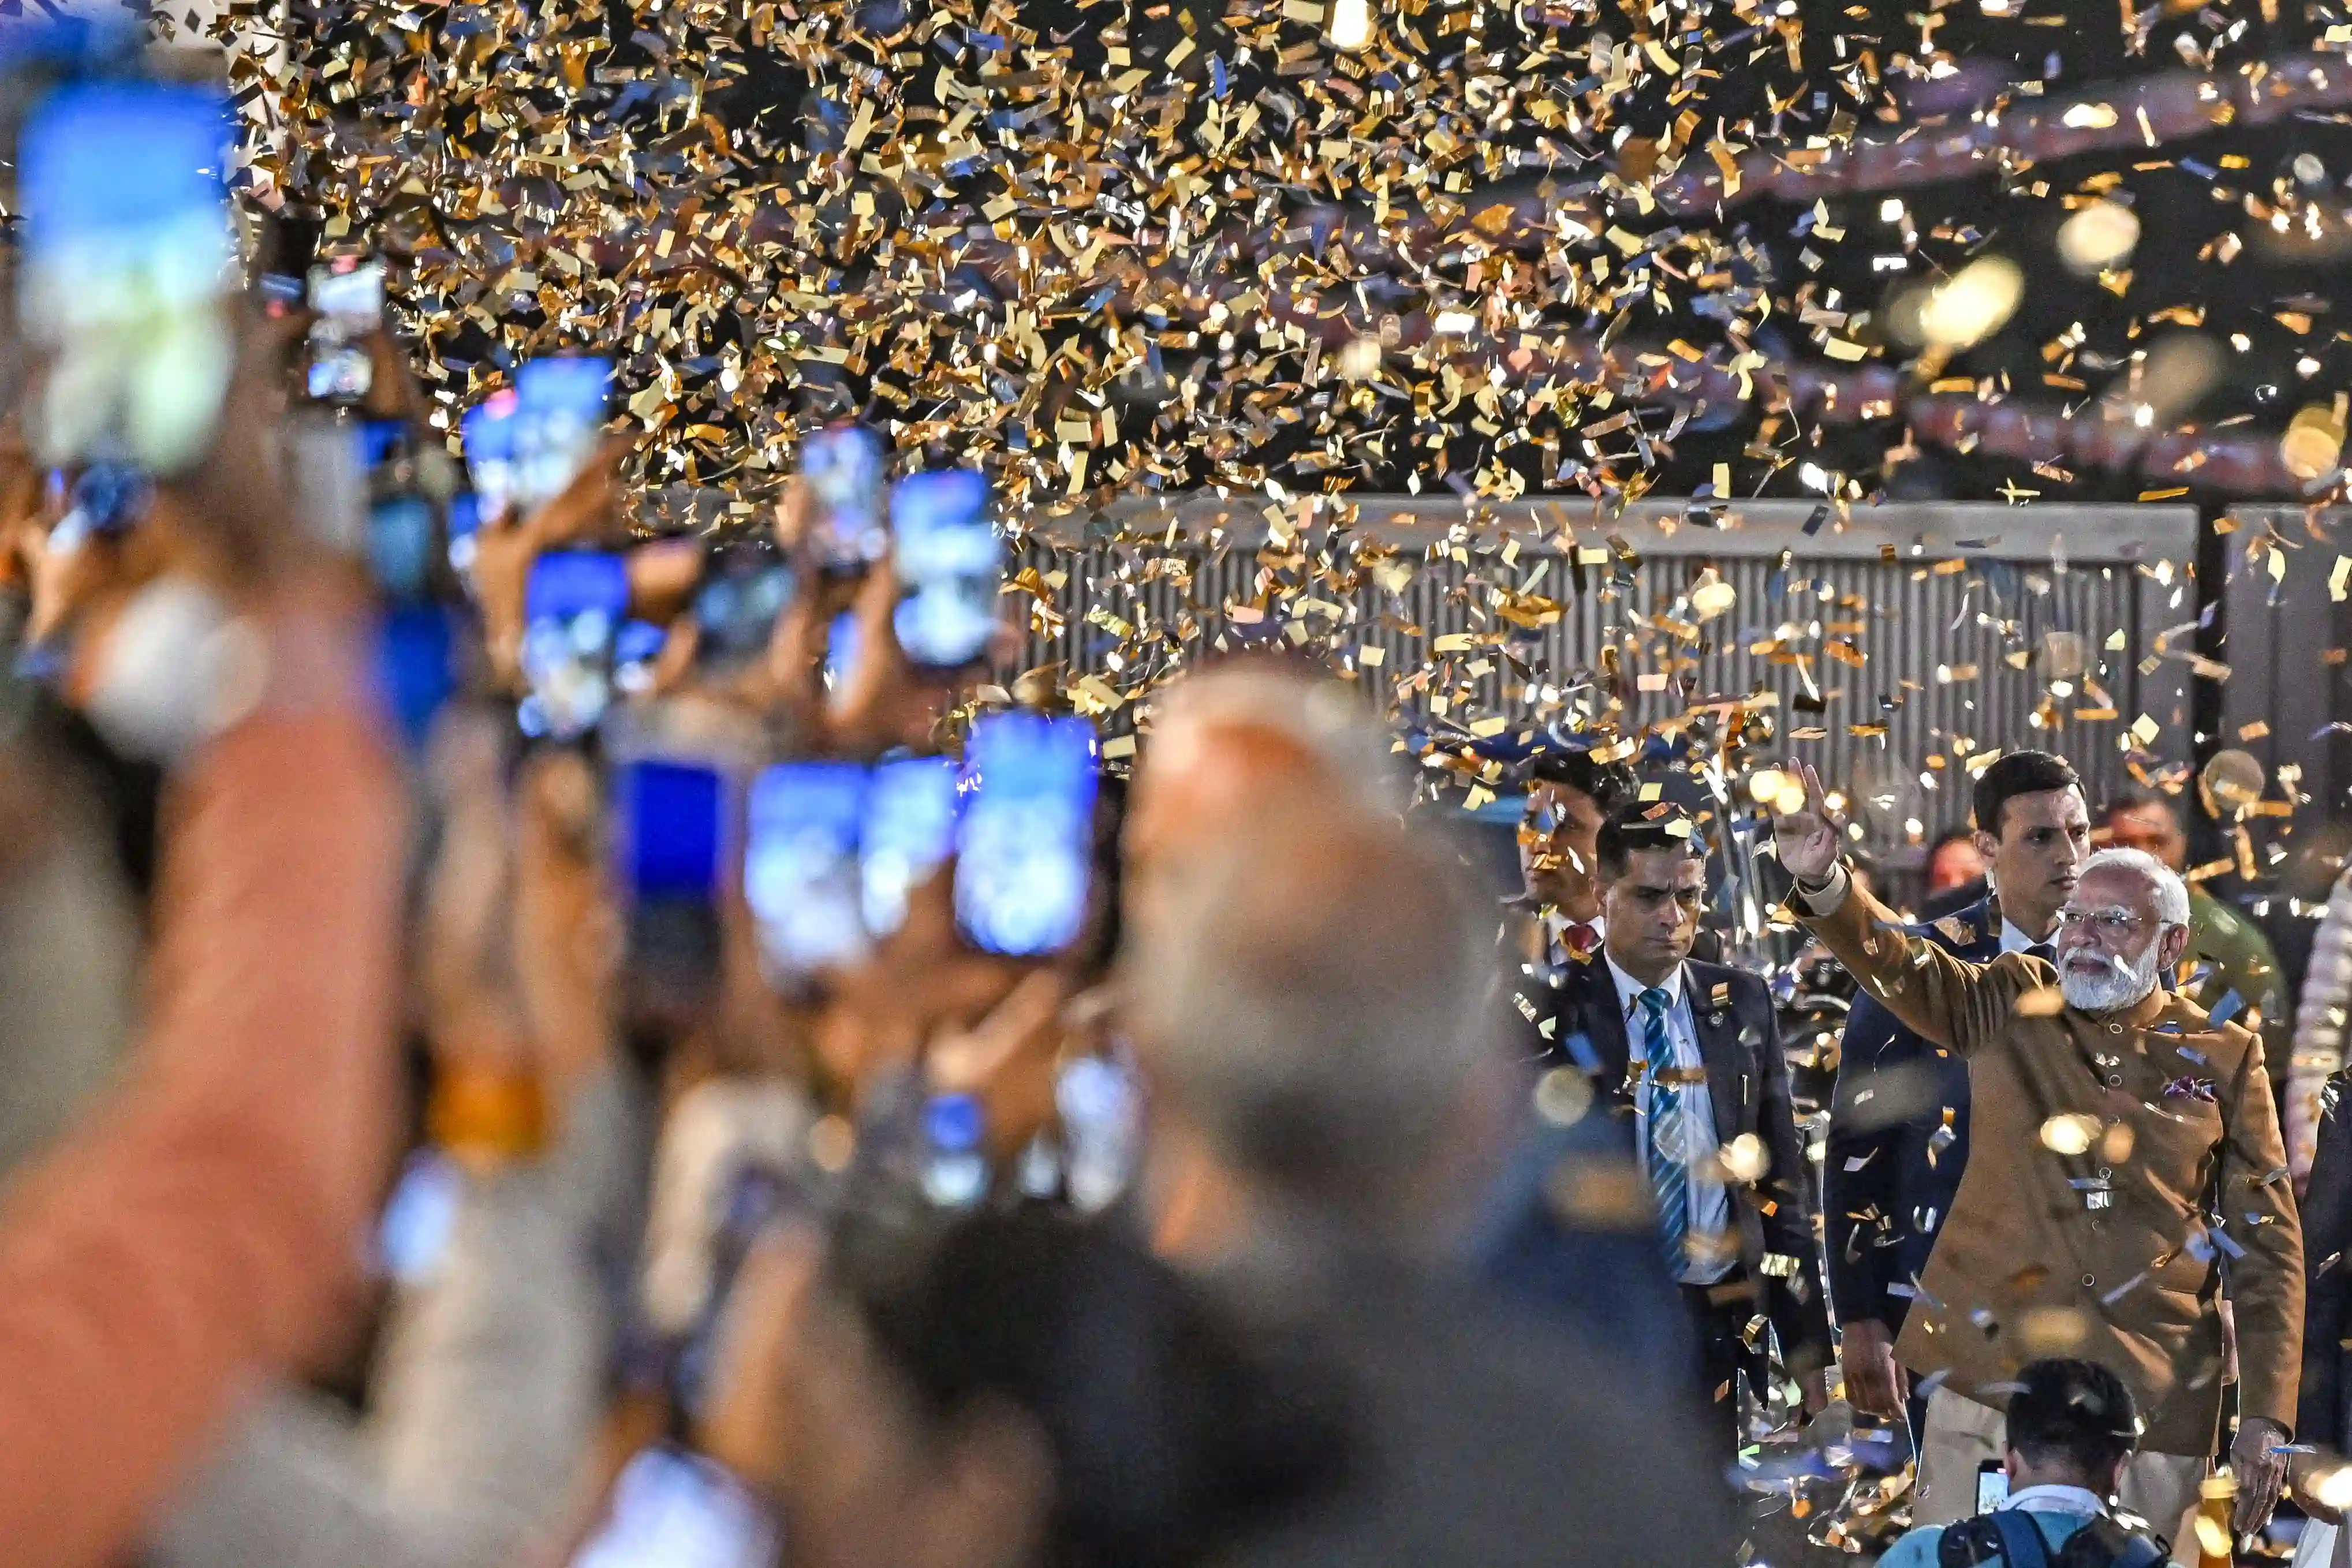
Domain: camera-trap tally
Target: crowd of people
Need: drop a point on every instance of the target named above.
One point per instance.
(554, 1113)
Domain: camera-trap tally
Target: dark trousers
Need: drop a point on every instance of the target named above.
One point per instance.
(1721, 1317)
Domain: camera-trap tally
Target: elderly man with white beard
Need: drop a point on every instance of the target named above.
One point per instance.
(2126, 1171)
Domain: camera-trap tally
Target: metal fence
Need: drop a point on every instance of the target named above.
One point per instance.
(1967, 620)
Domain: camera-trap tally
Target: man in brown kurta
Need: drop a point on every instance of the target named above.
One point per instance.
(2127, 1163)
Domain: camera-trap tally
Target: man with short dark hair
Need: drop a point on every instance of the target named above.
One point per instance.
(2071, 1429)
(1687, 1054)
(1899, 1121)
(1569, 795)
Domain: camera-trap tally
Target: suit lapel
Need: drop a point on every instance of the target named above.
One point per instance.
(1592, 1012)
(1729, 1081)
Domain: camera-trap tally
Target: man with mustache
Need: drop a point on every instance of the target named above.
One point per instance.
(2125, 1170)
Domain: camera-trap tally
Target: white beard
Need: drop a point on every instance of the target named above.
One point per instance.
(2121, 986)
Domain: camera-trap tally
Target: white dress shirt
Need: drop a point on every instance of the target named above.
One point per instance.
(1555, 929)
(1710, 1200)
(2015, 940)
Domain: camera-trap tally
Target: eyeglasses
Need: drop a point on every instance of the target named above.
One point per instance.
(2114, 921)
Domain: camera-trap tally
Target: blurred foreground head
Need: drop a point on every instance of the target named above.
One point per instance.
(1306, 977)
(1254, 740)
(1022, 1390)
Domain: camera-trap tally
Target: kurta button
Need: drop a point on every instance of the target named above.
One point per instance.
(2090, 1283)
(2114, 1081)
(2105, 1170)
(2115, 1028)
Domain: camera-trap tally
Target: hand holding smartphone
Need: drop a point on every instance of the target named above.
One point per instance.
(561, 405)
(573, 605)
(347, 299)
(951, 562)
(843, 465)
(1025, 849)
(129, 265)
(800, 868)
(669, 830)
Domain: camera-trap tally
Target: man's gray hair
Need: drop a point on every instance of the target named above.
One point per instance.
(1327, 718)
(1315, 1003)
(2171, 892)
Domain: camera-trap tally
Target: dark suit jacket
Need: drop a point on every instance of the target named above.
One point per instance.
(1891, 1175)
(1479, 1435)
(1747, 1081)
(2322, 1414)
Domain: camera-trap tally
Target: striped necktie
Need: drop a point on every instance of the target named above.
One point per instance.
(1669, 1180)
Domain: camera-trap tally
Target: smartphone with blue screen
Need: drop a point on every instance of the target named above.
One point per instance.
(488, 436)
(800, 865)
(843, 466)
(403, 547)
(951, 562)
(744, 589)
(669, 832)
(128, 268)
(1992, 1485)
(573, 605)
(1024, 848)
(105, 500)
(670, 1508)
(347, 301)
(908, 833)
(561, 405)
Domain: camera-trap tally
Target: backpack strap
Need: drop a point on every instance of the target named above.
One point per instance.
(2103, 1543)
(2021, 1543)
(2008, 1536)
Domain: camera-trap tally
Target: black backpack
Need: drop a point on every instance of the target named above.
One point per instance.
(2009, 1537)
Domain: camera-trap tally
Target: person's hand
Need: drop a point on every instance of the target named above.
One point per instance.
(748, 1424)
(519, 940)
(1807, 837)
(506, 547)
(234, 513)
(2260, 1464)
(1007, 1060)
(1875, 1383)
(883, 700)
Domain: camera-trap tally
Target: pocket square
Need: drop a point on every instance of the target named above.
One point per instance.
(2189, 1086)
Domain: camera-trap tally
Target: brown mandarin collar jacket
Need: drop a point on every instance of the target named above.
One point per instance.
(2106, 1254)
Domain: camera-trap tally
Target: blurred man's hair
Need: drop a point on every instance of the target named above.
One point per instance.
(2138, 797)
(1327, 719)
(2016, 774)
(1608, 785)
(1634, 830)
(1949, 837)
(1313, 994)
(2074, 1413)
(1167, 1435)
